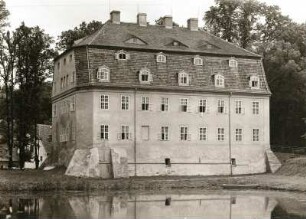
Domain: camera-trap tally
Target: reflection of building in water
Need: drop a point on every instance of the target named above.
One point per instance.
(19, 208)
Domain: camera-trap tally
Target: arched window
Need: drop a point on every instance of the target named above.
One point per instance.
(219, 80)
(122, 55)
(183, 79)
(145, 76)
(160, 57)
(197, 60)
(103, 74)
(232, 63)
(254, 82)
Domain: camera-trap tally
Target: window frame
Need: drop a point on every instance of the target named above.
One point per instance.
(255, 107)
(143, 72)
(256, 79)
(238, 107)
(184, 105)
(255, 135)
(202, 105)
(238, 134)
(119, 55)
(203, 134)
(197, 60)
(183, 75)
(184, 133)
(164, 107)
(221, 134)
(145, 103)
(221, 107)
(104, 132)
(219, 80)
(232, 63)
(161, 58)
(125, 101)
(164, 134)
(103, 73)
(104, 102)
(125, 132)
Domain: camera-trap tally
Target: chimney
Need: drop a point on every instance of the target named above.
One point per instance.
(142, 19)
(167, 22)
(192, 24)
(115, 17)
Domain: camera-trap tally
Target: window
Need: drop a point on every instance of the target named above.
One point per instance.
(220, 134)
(145, 76)
(104, 132)
(183, 79)
(70, 58)
(254, 82)
(72, 77)
(238, 107)
(203, 136)
(238, 134)
(197, 60)
(145, 102)
(103, 74)
(62, 83)
(54, 111)
(233, 63)
(64, 61)
(255, 134)
(125, 102)
(164, 133)
(219, 80)
(184, 104)
(168, 164)
(255, 108)
(104, 101)
(122, 55)
(58, 65)
(72, 104)
(145, 133)
(67, 80)
(221, 108)
(124, 135)
(202, 106)
(164, 104)
(161, 58)
(184, 133)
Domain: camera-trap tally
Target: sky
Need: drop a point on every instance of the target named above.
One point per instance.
(55, 16)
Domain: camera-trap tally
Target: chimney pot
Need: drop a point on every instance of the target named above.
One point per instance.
(192, 24)
(142, 19)
(115, 17)
(167, 22)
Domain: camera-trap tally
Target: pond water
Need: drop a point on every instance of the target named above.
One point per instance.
(183, 205)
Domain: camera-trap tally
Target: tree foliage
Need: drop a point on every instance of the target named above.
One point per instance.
(67, 38)
(4, 13)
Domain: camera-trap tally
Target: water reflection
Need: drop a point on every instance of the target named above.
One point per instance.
(82, 206)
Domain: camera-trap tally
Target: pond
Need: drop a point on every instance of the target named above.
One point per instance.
(183, 205)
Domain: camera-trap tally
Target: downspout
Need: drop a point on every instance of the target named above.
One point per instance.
(230, 133)
(135, 137)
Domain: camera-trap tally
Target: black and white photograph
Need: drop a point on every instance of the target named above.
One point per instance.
(130, 109)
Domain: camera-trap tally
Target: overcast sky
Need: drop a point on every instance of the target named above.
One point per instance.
(58, 15)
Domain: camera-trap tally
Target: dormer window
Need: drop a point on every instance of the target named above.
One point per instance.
(183, 79)
(145, 76)
(197, 60)
(160, 57)
(103, 74)
(254, 82)
(122, 55)
(219, 80)
(232, 63)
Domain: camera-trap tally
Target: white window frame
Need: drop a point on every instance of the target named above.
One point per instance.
(202, 106)
(164, 136)
(255, 135)
(103, 74)
(160, 57)
(104, 102)
(238, 107)
(203, 134)
(219, 80)
(183, 79)
(232, 63)
(197, 60)
(238, 134)
(184, 133)
(104, 132)
(125, 102)
(255, 107)
(145, 103)
(183, 104)
(254, 79)
(164, 104)
(142, 72)
(122, 55)
(221, 107)
(221, 134)
(125, 133)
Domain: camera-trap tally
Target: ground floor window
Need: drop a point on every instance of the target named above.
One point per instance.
(203, 136)
(220, 134)
(238, 134)
(125, 135)
(104, 132)
(165, 133)
(184, 133)
(255, 134)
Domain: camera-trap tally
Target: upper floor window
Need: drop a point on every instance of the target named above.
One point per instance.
(238, 134)
(125, 134)
(70, 58)
(221, 134)
(160, 57)
(104, 101)
(232, 63)
(202, 106)
(238, 108)
(219, 80)
(221, 106)
(184, 104)
(145, 76)
(255, 134)
(184, 133)
(183, 79)
(145, 102)
(64, 61)
(254, 82)
(122, 55)
(164, 104)
(103, 74)
(125, 102)
(104, 132)
(255, 107)
(202, 134)
(197, 60)
(164, 133)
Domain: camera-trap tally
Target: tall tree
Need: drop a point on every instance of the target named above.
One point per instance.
(4, 13)
(67, 38)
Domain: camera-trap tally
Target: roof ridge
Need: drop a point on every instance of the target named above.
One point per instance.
(97, 33)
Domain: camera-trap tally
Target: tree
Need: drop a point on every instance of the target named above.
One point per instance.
(4, 13)
(67, 38)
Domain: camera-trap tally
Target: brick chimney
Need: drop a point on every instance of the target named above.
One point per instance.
(192, 24)
(142, 19)
(167, 22)
(115, 17)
